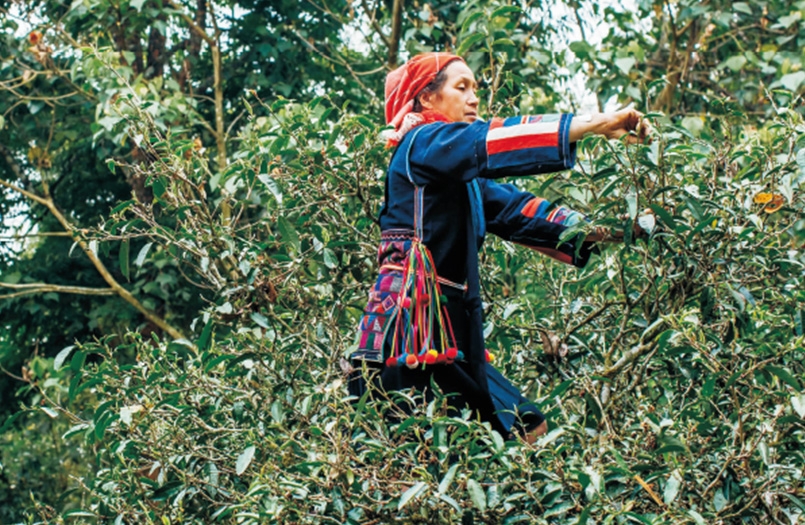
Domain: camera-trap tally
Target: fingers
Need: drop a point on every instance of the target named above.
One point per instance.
(628, 122)
(639, 128)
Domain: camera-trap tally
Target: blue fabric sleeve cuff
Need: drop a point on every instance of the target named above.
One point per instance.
(566, 148)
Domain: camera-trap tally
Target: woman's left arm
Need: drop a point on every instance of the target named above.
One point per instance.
(526, 219)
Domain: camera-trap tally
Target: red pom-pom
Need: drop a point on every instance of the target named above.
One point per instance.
(431, 356)
(424, 299)
(391, 361)
(441, 358)
(490, 357)
(451, 353)
(406, 302)
(411, 361)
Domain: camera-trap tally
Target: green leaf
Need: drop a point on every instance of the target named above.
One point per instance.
(109, 122)
(735, 63)
(801, 161)
(123, 257)
(61, 357)
(505, 10)
(477, 495)
(672, 487)
(137, 4)
(212, 477)
(289, 234)
(793, 81)
(503, 42)
(11, 419)
(50, 412)
(142, 255)
(260, 320)
(560, 389)
(244, 460)
(663, 214)
(625, 64)
(272, 187)
(205, 337)
(469, 42)
(77, 362)
(694, 125)
(122, 206)
(785, 376)
(330, 260)
(742, 7)
(581, 48)
(476, 15)
(79, 514)
(697, 517)
(796, 501)
(720, 500)
(631, 204)
(447, 480)
(709, 386)
(410, 494)
(798, 404)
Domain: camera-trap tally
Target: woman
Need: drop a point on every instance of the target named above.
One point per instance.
(423, 322)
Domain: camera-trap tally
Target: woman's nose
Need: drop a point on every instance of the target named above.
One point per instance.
(473, 100)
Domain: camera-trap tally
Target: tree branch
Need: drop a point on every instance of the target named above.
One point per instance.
(99, 266)
(396, 30)
(375, 25)
(33, 196)
(646, 344)
(35, 288)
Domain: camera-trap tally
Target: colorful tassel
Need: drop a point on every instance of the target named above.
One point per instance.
(422, 325)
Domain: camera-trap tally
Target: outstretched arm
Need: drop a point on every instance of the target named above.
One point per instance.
(611, 125)
(526, 219)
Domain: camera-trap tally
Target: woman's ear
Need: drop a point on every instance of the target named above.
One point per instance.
(426, 99)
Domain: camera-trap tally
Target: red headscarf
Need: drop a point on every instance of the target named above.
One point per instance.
(404, 84)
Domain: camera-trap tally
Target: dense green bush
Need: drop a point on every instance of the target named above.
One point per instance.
(678, 399)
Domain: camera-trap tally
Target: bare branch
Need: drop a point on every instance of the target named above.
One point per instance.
(396, 31)
(36, 288)
(646, 344)
(375, 25)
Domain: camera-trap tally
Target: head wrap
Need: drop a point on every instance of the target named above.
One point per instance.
(407, 81)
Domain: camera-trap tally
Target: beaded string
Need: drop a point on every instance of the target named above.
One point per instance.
(422, 326)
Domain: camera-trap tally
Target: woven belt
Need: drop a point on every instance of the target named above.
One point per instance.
(442, 280)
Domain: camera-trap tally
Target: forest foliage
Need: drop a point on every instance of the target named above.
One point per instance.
(189, 201)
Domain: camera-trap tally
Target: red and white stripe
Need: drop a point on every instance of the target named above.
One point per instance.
(503, 139)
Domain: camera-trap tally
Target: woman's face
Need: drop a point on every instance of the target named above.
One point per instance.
(456, 100)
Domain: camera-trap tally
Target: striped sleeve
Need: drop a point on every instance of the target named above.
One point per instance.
(530, 144)
(532, 221)
(517, 146)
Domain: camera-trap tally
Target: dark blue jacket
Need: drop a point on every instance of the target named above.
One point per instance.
(440, 187)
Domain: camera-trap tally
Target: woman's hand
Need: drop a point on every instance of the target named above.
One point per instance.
(604, 234)
(612, 126)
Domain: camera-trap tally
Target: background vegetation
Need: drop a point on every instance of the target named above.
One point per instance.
(189, 193)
